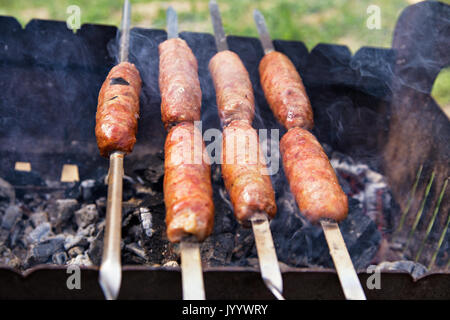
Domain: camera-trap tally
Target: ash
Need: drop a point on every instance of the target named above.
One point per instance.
(50, 222)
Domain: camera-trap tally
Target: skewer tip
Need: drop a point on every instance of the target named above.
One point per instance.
(110, 279)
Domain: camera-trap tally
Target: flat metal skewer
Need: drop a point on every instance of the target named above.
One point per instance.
(191, 263)
(267, 257)
(346, 272)
(263, 32)
(111, 268)
(343, 263)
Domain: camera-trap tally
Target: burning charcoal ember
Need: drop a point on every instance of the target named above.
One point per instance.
(43, 251)
(146, 221)
(41, 232)
(38, 218)
(12, 215)
(416, 270)
(87, 215)
(7, 191)
(60, 258)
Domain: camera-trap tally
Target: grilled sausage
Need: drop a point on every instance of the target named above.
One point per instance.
(234, 92)
(118, 110)
(187, 185)
(181, 96)
(245, 173)
(284, 91)
(311, 177)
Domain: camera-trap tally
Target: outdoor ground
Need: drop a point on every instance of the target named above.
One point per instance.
(311, 21)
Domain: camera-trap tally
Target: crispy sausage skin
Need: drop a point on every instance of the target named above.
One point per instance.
(245, 173)
(181, 95)
(187, 185)
(284, 91)
(118, 110)
(311, 177)
(234, 92)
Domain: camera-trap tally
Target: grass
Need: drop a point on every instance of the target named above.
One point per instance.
(313, 22)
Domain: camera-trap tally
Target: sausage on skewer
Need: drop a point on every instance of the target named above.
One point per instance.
(187, 185)
(181, 95)
(234, 92)
(311, 177)
(118, 110)
(245, 173)
(284, 91)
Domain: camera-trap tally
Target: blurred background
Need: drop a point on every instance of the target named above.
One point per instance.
(318, 21)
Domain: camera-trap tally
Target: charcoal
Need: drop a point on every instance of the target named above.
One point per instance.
(12, 215)
(146, 221)
(137, 250)
(92, 189)
(16, 234)
(24, 178)
(41, 252)
(416, 270)
(7, 191)
(361, 235)
(39, 233)
(75, 251)
(38, 218)
(171, 264)
(8, 258)
(78, 240)
(154, 173)
(80, 260)
(96, 248)
(221, 248)
(60, 258)
(86, 215)
(61, 216)
(73, 192)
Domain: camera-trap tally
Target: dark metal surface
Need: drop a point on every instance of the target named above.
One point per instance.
(47, 282)
(54, 125)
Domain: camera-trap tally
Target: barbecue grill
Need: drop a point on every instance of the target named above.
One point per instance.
(373, 107)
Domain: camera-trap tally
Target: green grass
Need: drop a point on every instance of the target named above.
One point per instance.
(313, 22)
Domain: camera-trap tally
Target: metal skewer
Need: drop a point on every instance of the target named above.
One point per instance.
(191, 263)
(267, 256)
(111, 267)
(346, 272)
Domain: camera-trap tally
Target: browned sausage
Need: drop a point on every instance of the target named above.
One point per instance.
(311, 177)
(187, 185)
(245, 173)
(234, 92)
(284, 91)
(181, 96)
(118, 110)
